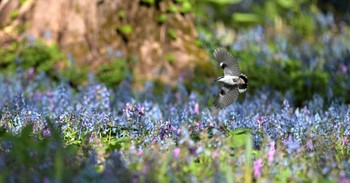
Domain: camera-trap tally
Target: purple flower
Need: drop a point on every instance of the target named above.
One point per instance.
(91, 138)
(342, 178)
(46, 131)
(192, 150)
(291, 144)
(46, 180)
(257, 168)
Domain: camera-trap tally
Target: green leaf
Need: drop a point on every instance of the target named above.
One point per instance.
(14, 15)
(162, 18)
(186, 7)
(246, 18)
(238, 137)
(172, 34)
(172, 9)
(286, 3)
(170, 58)
(248, 157)
(125, 29)
(148, 1)
(223, 2)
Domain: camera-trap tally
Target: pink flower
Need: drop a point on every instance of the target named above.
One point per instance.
(271, 152)
(31, 72)
(257, 168)
(259, 120)
(212, 124)
(154, 140)
(216, 153)
(178, 96)
(141, 111)
(128, 107)
(196, 108)
(176, 152)
(344, 141)
(139, 152)
(344, 69)
(310, 145)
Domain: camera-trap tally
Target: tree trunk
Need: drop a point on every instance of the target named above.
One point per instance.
(97, 32)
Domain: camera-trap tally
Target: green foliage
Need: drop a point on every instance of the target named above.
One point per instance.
(172, 9)
(151, 2)
(25, 56)
(39, 56)
(180, 6)
(14, 15)
(239, 137)
(112, 73)
(8, 56)
(203, 73)
(42, 58)
(110, 143)
(300, 14)
(22, 2)
(74, 75)
(162, 18)
(28, 153)
(296, 14)
(172, 33)
(284, 75)
(186, 7)
(71, 136)
(244, 137)
(158, 87)
(121, 14)
(125, 29)
(170, 58)
(246, 18)
(222, 2)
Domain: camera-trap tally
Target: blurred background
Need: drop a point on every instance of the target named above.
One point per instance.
(288, 48)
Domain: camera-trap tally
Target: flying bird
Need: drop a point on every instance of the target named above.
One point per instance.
(234, 82)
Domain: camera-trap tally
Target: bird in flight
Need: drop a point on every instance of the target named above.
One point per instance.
(234, 82)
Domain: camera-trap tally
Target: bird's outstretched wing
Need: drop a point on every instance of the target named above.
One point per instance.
(227, 96)
(227, 62)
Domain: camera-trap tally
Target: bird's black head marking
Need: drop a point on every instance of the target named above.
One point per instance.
(245, 79)
(223, 65)
(222, 92)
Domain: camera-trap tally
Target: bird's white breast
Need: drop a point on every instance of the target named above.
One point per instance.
(230, 80)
